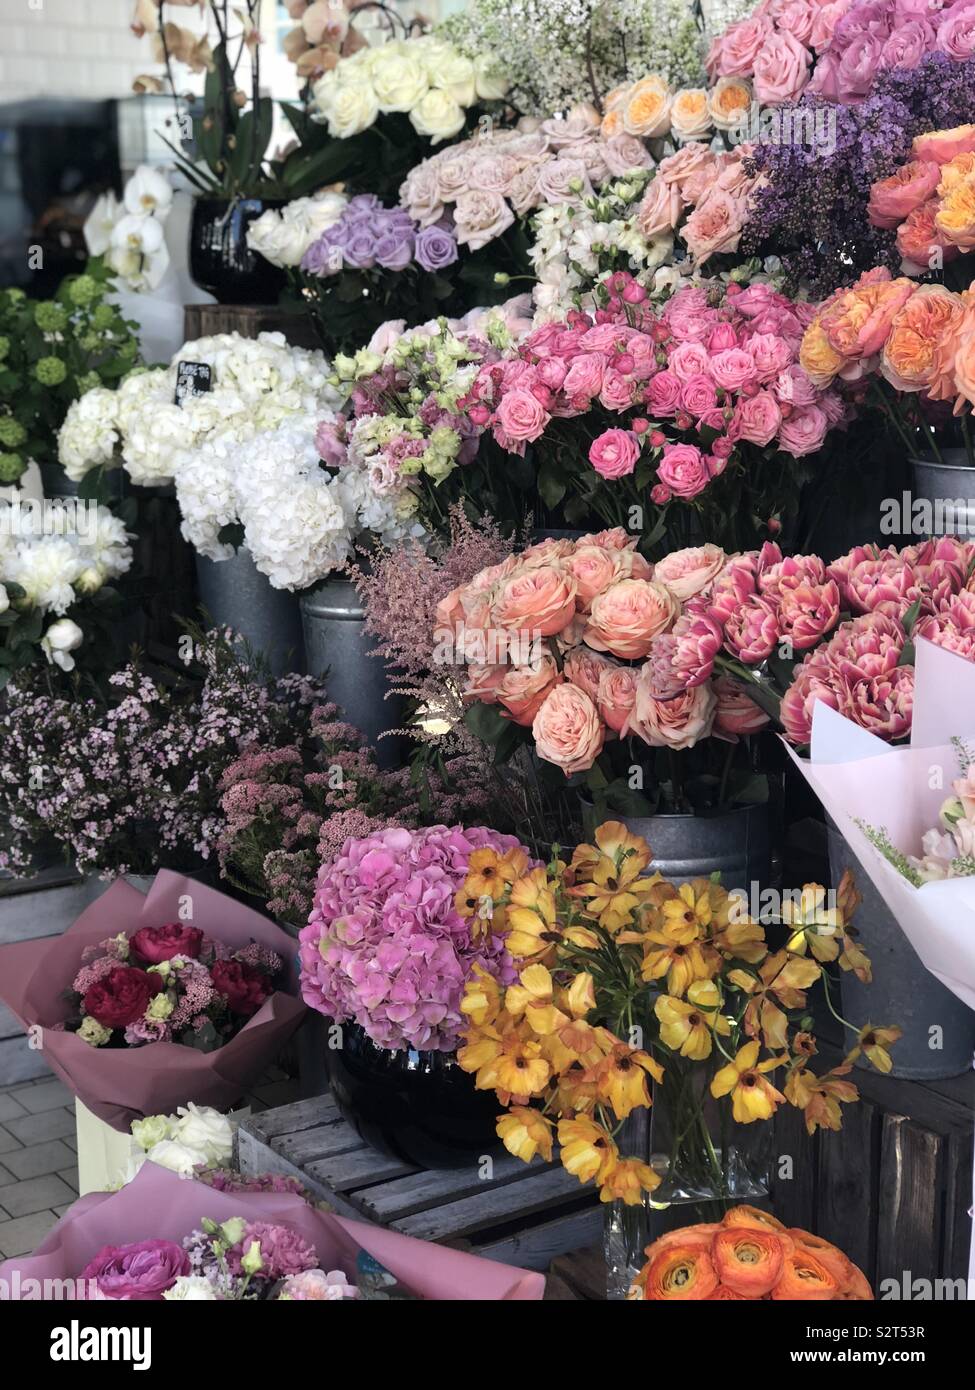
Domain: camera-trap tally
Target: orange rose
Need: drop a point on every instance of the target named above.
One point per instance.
(523, 688)
(568, 730)
(964, 346)
(908, 354)
(858, 322)
(647, 108)
(943, 381)
(748, 1260)
(805, 1278)
(681, 1272)
(943, 145)
(817, 356)
(955, 219)
(627, 616)
(541, 600)
(730, 101)
(958, 170)
(920, 241)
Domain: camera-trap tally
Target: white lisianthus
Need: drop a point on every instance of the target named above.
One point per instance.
(176, 1156)
(61, 639)
(89, 435)
(190, 1288)
(207, 1130)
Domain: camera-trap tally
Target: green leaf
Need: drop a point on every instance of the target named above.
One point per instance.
(551, 485)
(485, 722)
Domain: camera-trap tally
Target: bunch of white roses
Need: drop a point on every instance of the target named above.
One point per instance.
(197, 1136)
(282, 237)
(426, 78)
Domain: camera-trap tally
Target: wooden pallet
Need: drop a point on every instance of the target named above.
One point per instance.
(523, 1214)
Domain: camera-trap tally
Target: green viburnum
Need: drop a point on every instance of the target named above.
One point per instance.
(88, 381)
(83, 290)
(4, 349)
(90, 342)
(11, 468)
(50, 371)
(12, 432)
(50, 316)
(104, 316)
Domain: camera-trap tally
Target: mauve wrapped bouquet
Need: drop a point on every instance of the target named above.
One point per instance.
(123, 1083)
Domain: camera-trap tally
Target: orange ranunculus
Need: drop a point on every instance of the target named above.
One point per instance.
(805, 1278)
(748, 1260)
(858, 322)
(752, 1216)
(722, 1292)
(682, 1271)
(817, 356)
(700, 1235)
(857, 1287)
(955, 219)
(825, 1252)
(925, 320)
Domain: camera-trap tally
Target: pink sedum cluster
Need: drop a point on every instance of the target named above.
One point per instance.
(722, 359)
(384, 945)
(555, 637)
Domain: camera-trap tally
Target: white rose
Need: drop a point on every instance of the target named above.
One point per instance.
(191, 1288)
(201, 1127)
(152, 1130)
(456, 76)
(437, 115)
(177, 1157)
(60, 640)
(350, 110)
(271, 237)
(398, 81)
(489, 81)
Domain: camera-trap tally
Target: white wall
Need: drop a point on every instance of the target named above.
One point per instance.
(68, 48)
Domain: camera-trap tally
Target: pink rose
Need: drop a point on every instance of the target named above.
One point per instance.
(616, 392)
(678, 723)
(523, 689)
(626, 617)
(584, 668)
(796, 18)
(804, 431)
(480, 217)
(859, 65)
(770, 353)
(691, 164)
(594, 568)
(956, 33)
(691, 571)
(585, 375)
(688, 360)
(941, 146)
(663, 394)
(683, 470)
(615, 697)
(483, 682)
(733, 368)
(736, 712)
(714, 225)
(698, 395)
(660, 209)
(756, 418)
(781, 69)
(623, 152)
(735, 51)
(907, 45)
(893, 198)
(567, 730)
(614, 453)
(542, 600)
(825, 21)
(522, 416)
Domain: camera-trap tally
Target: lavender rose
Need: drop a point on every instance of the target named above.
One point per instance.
(394, 249)
(138, 1272)
(360, 249)
(435, 248)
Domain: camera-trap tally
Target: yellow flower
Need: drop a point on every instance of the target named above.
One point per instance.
(520, 1068)
(525, 1132)
(621, 1078)
(875, 1042)
(580, 997)
(819, 1098)
(482, 997)
(782, 980)
(613, 887)
(681, 964)
(587, 1150)
(687, 1027)
(815, 923)
(752, 1097)
(628, 1181)
(685, 915)
(533, 997)
(742, 939)
(530, 915)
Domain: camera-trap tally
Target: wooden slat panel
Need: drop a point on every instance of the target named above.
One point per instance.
(290, 1119)
(793, 1198)
(491, 1207)
(430, 1187)
(358, 1168)
(536, 1246)
(847, 1185)
(909, 1225)
(958, 1202)
(321, 1142)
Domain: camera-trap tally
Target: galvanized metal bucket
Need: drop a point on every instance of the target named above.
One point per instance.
(938, 1030)
(235, 594)
(337, 648)
(736, 844)
(950, 488)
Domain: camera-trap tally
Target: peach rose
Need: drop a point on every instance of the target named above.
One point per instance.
(626, 618)
(660, 208)
(715, 225)
(736, 712)
(594, 569)
(781, 69)
(541, 600)
(927, 317)
(677, 723)
(919, 240)
(584, 668)
(957, 170)
(568, 730)
(546, 552)
(892, 199)
(483, 682)
(858, 322)
(690, 115)
(729, 102)
(817, 357)
(941, 146)
(647, 109)
(691, 571)
(612, 123)
(523, 688)
(964, 344)
(615, 697)
(955, 219)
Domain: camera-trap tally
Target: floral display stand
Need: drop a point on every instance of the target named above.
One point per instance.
(520, 1215)
(204, 320)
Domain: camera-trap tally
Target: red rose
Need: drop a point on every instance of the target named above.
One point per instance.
(245, 987)
(156, 944)
(121, 997)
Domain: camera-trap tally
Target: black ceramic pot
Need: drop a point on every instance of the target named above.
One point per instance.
(220, 259)
(416, 1106)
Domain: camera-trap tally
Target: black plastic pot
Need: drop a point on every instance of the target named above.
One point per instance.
(220, 259)
(419, 1107)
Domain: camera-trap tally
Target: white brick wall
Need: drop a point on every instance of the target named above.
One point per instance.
(68, 48)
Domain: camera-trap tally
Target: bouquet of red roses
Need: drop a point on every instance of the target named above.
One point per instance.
(147, 1003)
(169, 983)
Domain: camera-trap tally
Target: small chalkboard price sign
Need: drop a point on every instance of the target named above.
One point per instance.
(192, 379)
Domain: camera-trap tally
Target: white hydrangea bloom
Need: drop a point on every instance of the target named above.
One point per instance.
(89, 435)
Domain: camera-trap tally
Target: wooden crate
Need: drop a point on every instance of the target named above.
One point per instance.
(523, 1215)
(202, 320)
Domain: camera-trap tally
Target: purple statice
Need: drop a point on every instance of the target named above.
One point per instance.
(811, 211)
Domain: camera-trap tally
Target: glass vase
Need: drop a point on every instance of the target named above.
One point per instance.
(705, 1159)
